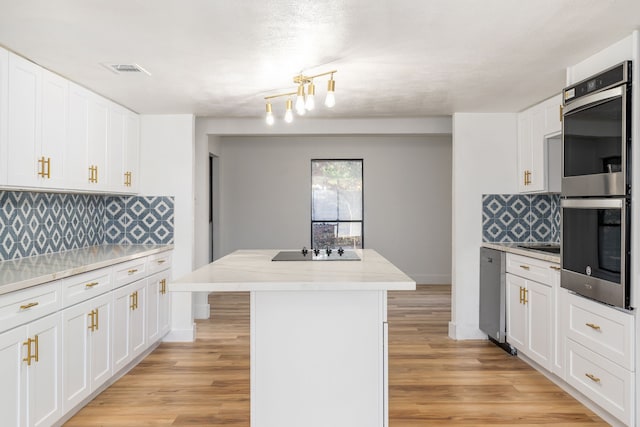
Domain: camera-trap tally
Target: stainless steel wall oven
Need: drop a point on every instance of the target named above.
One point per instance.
(596, 186)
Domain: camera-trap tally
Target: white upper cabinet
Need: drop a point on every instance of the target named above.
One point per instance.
(24, 126)
(538, 132)
(132, 152)
(4, 89)
(97, 153)
(61, 136)
(122, 149)
(55, 103)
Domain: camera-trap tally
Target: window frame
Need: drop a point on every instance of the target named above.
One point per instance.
(338, 221)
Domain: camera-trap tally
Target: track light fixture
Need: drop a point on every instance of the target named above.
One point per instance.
(304, 97)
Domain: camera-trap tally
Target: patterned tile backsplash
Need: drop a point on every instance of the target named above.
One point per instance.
(521, 218)
(40, 223)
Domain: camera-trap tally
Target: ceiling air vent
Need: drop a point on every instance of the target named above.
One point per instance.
(126, 68)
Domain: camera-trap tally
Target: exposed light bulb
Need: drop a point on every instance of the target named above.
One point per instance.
(300, 101)
(310, 104)
(330, 100)
(269, 119)
(288, 115)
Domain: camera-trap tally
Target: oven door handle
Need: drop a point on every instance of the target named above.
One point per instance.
(595, 99)
(593, 203)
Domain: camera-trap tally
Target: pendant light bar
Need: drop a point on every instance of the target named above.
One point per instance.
(305, 97)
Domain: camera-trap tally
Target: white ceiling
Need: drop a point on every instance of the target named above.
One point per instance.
(395, 58)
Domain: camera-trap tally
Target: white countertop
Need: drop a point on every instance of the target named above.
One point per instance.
(515, 249)
(253, 270)
(26, 272)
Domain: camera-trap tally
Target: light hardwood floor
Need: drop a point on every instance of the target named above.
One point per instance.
(434, 381)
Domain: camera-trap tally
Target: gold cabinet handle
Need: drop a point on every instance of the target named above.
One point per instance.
(554, 267)
(93, 320)
(592, 378)
(44, 166)
(28, 358)
(133, 270)
(524, 299)
(36, 345)
(127, 179)
(133, 301)
(91, 285)
(521, 294)
(97, 319)
(526, 267)
(28, 306)
(161, 261)
(593, 326)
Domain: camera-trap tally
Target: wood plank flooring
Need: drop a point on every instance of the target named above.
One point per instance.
(434, 381)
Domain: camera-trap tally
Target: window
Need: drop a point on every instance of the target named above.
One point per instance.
(336, 203)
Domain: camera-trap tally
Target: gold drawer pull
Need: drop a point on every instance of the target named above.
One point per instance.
(526, 267)
(91, 285)
(553, 267)
(29, 356)
(593, 326)
(592, 378)
(133, 270)
(162, 261)
(27, 306)
(92, 315)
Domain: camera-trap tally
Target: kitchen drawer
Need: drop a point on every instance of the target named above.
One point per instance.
(532, 269)
(158, 262)
(20, 307)
(606, 383)
(604, 330)
(85, 286)
(129, 271)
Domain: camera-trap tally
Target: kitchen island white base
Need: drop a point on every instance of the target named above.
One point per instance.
(318, 358)
(318, 334)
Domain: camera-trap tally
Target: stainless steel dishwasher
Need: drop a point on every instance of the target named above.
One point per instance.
(493, 311)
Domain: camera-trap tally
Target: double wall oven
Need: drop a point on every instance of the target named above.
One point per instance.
(596, 186)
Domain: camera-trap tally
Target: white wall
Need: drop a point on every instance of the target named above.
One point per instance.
(484, 162)
(266, 195)
(167, 169)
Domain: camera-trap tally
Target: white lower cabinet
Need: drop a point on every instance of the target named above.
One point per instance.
(129, 320)
(158, 306)
(529, 319)
(61, 341)
(86, 348)
(31, 367)
(600, 355)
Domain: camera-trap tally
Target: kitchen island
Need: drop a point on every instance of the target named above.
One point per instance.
(318, 335)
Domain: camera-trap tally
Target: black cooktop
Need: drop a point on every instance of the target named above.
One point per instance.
(317, 255)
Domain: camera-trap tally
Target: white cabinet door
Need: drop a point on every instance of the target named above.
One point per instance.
(129, 323)
(122, 306)
(100, 342)
(13, 371)
(158, 306)
(55, 102)
(154, 292)
(78, 142)
(96, 171)
(24, 136)
(516, 312)
(535, 126)
(76, 386)
(139, 319)
(538, 299)
(132, 151)
(553, 115)
(115, 148)
(45, 373)
(4, 89)
(560, 322)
